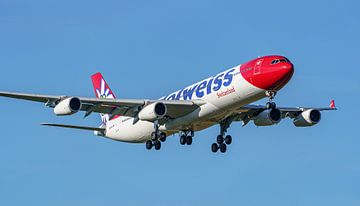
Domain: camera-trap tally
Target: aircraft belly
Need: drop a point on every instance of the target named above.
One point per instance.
(124, 130)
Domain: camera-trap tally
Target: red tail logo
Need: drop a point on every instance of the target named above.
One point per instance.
(101, 88)
(103, 91)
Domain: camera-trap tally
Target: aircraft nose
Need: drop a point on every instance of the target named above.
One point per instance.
(286, 72)
(269, 77)
(277, 77)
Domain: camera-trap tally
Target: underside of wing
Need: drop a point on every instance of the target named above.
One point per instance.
(264, 116)
(175, 108)
(113, 107)
(30, 97)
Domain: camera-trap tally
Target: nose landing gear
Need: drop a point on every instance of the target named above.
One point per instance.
(271, 95)
(270, 105)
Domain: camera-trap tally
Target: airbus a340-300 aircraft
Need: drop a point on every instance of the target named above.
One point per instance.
(220, 99)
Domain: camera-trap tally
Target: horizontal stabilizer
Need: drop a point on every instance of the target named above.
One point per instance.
(75, 127)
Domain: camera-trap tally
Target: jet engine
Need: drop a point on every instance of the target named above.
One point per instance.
(153, 112)
(307, 118)
(68, 106)
(268, 117)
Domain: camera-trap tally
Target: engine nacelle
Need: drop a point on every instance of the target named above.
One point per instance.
(153, 112)
(307, 118)
(268, 117)
(68, 106)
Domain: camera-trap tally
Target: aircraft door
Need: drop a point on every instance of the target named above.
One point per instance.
(257, 67)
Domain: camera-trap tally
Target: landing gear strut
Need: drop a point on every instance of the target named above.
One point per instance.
(186, 137)
(156, 138)
(223, 141)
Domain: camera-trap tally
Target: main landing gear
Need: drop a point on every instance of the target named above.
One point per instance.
(156, 138)
(186, 137)
(223, 141)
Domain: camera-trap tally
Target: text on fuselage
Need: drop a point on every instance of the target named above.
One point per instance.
(203, 88)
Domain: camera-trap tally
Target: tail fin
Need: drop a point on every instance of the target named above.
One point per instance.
(101, 88)
(102, 91)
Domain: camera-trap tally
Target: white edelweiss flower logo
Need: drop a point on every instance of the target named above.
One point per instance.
(104, 92)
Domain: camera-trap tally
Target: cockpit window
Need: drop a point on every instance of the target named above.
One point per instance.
(276, 61)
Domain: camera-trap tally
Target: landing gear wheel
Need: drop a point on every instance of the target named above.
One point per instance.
(214, 148)
(154, 136)
(228, 140)
(222, 148)
(270, 105)
(273, 105)
(220, 139)
(183, 140)
(162, 137)
(189, 140)
(157, 145)
(149, 145)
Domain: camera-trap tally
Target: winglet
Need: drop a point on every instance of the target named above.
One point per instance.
(332, 104)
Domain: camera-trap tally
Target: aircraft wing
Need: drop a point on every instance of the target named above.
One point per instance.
(250, 108)
(124, 107)
(247, 112)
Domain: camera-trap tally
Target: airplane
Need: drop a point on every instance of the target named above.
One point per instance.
(220, 99)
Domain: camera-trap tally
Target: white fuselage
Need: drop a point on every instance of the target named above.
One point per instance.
(223, 93)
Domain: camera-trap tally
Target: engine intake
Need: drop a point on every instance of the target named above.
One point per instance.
(153, 112)
(68, 106)
(307, 118)
(268, 117)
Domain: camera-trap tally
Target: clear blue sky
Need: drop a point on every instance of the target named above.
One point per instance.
(146, 49)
